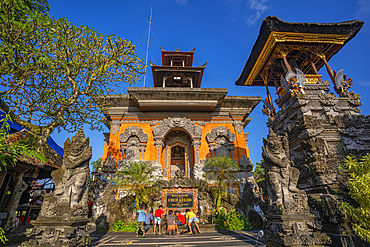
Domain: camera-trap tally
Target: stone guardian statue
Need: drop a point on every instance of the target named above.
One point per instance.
(64, 211)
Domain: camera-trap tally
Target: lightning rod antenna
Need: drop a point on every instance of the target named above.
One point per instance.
(147, 48)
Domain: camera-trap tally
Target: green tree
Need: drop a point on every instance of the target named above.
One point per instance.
(359, 189)
(224, 171)
(95, 165)
(19, 19)
(57, 75)
(138, 178)
(12, 151)
(259, 169)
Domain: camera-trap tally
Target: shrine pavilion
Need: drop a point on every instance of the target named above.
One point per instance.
(177, 125)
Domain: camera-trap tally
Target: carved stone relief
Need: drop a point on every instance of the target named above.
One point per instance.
(220, 131)
(220, 139)
(133, 143)
(133, 131)
(108, 165)
(245, 163)
(177, 122)
(238, 125)
(115, 126)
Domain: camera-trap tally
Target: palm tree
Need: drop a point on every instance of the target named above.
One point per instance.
(224, 171)
(137, 177)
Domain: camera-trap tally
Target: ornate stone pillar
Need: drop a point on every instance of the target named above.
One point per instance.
(196, 145)
(232, 148)
(115, 126)
(158, 145)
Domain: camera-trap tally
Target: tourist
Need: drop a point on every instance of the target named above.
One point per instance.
(148, 220)
(191, 217)
(140, 214)
(181, 221)
(158, 219)
(171, 226)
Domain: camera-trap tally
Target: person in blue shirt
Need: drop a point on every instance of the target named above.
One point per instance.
(140, 215)
(148, 220)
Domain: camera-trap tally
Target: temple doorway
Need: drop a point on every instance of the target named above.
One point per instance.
(177, 159)
(178, 154)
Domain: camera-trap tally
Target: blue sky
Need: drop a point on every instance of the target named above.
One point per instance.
(223, 33)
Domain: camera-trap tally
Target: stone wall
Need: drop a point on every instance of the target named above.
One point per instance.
(322, 129)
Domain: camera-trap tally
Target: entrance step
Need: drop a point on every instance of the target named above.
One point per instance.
(202, 227)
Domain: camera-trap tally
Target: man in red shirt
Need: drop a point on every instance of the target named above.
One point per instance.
(158, 219)
(181, 222)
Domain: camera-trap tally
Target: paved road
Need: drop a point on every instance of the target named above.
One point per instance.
(214, 239)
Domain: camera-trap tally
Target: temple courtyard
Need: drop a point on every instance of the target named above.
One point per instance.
(220, 238)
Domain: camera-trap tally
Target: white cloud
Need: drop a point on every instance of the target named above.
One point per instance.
(363, 83)
(183, 2)
(364, 6)
(259, 7)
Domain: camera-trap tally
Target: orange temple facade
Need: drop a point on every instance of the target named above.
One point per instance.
(177, 125)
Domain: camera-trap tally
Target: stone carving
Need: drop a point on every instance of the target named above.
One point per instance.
(17, 186)
(177, 122)
(288, 217)
(133, 131)
(108, 165)
(245, 163)
(328, 99)
(238, 126)
(64, 212)
(221, 136)
(152, 123)
(220, 131)
(318, 143)
(199, 169)
(158, 171)
(281, 177)
(133, 140)
(115, 126)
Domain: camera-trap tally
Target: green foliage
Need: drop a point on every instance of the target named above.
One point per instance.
(224, 171)
(359, 189)
(95, 165)
(12, 151)
(120, 226)
(137, 178)
(56, 75)
(259, 169)
(232, 221)
(2, 236)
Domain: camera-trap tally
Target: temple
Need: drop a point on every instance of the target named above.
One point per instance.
(177, 125)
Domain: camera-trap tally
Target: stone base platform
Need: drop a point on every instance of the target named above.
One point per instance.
(58, 232)
(294, 230)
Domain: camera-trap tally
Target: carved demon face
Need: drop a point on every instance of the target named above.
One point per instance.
(273, 144)
(78, 151)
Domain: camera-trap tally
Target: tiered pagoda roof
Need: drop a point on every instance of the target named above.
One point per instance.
(305, 43)
(177, 70)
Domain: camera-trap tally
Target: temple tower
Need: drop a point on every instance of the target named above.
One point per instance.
(322, 127)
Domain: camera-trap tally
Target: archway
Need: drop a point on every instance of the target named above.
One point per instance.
(178, 153)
